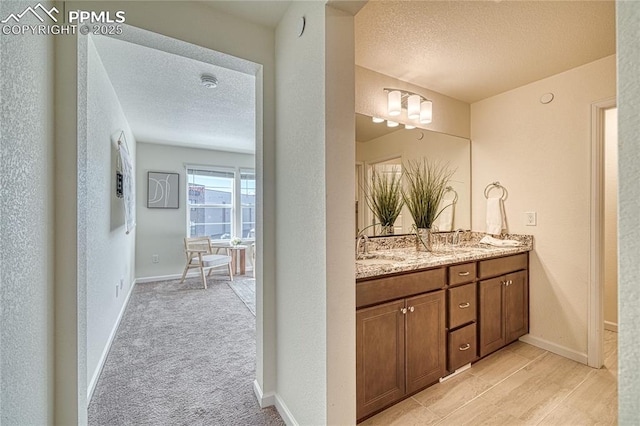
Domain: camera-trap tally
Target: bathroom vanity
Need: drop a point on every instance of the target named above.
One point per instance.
(420, 316)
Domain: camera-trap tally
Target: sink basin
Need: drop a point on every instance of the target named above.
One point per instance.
(376, 261)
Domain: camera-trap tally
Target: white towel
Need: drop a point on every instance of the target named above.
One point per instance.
(499, 243)
(445, 219)
(495, 216)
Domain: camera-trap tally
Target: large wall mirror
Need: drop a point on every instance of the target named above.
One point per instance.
(386, 149)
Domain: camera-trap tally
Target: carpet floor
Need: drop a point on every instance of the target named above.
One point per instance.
(181, 356)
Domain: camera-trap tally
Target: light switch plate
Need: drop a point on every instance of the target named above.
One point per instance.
(530, 218)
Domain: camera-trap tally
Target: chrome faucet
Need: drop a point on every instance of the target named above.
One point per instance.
(365, 245)
(455, 239)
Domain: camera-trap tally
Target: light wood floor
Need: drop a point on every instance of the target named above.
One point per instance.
(518, 385)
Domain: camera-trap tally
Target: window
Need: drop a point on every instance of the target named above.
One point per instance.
(214, 208)
(210, 205)
(248, 203)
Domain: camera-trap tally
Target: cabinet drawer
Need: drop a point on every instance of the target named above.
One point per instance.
(389, 288)
(461, 274)
(462, 305)
(462, 347)
(502, 265)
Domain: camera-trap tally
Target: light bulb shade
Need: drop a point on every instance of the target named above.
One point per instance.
(413, 107)
(392, 123)
(394, 102)
(377, 119)
(426, 112)
(409, 126)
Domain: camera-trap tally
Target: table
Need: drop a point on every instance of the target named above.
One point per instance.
(238, 251)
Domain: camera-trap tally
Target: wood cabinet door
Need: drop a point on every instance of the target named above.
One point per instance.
(425, 340)
(380, 356)
(491, 315)
(516, 305)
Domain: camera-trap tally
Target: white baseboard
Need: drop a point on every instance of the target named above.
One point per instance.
(107, 347)
(269, 399)
(284, 412)
(143, 280)
(263, 400)
(611, 326)
(555, 348)
(164, 277)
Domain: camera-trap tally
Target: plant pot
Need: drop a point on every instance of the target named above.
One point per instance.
(423, 239)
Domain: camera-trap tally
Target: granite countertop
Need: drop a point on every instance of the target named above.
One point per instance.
(398, 254)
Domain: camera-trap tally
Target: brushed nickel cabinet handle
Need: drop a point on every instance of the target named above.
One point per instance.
(411, 308)
(464, 305)
(403, 311)
(464, 274)
(464, 347)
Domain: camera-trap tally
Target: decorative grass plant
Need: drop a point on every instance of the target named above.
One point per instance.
(425, 184)
(384, 198)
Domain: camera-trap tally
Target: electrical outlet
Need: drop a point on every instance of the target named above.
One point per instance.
(116, 291)
(155, 258)
(530, 218)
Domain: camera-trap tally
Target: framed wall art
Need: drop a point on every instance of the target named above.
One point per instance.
(163, 190)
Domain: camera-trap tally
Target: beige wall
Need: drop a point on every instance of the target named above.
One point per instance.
(449, 115)
(611, 219)
(314, 262)
(542, 155)
(628, 23)
(26, 235)
(110, 251)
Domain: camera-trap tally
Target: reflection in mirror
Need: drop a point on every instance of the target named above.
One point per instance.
(380, 147)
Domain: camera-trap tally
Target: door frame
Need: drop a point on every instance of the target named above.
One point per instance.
(595, 317)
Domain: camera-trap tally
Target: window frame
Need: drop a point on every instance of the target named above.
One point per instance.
(236, 197)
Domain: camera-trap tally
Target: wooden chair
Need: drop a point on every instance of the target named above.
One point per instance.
(199, 255)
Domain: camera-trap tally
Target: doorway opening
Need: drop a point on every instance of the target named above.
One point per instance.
(104, 309)
(603, 280)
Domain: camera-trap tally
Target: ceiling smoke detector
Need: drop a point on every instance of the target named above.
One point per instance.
(209, 81)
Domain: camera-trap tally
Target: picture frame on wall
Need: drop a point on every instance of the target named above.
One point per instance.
(163, 190)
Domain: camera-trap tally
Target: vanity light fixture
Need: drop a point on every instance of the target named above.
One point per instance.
(394, 105)
(409, 126)
(418, 107)
(392, 123)
(377, 119)
(413, 107)
(426, 112)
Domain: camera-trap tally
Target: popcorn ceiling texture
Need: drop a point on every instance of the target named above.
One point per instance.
(26, 234)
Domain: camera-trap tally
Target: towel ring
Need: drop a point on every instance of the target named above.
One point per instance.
(455, 194)
(493, 185)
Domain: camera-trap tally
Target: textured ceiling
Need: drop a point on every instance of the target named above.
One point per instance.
(471, 50)
(164, 101)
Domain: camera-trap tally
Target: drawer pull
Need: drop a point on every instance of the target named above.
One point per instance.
(403, 311)
(464, 274)
(464, 347)
(464, 305)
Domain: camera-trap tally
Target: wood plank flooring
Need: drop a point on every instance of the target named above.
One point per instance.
(518, 385)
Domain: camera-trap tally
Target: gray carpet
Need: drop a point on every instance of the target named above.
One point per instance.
(182, 356)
